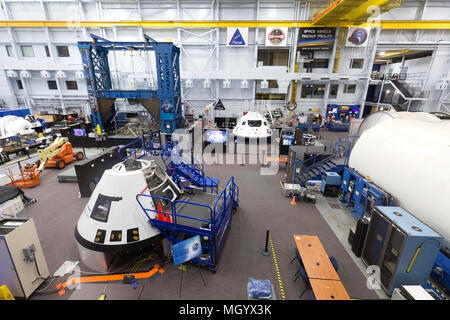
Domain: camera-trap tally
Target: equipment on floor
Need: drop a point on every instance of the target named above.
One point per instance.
(61, 287)
(22, 263)
(57, 155)
(331, 182)
(412, 293)
(358, 236)
(362, 194)
(402, 246)
(5, 294)
(197, 210)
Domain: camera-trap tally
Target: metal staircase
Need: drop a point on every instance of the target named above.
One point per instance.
(341, 150)
(187, 173)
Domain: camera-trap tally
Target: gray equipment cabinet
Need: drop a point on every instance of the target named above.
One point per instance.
(22, 263)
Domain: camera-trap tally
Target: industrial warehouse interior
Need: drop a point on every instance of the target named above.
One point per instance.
(240, 152)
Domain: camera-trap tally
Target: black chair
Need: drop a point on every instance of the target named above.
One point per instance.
(302, 273)
(334, 263)
(297, 256)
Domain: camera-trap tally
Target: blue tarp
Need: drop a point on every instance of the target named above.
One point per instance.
(14, 112)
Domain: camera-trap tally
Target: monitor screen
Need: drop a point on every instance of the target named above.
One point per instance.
(287, 142)
(216, 136)
(79, 132)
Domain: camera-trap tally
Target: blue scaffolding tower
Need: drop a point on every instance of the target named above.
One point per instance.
(94, 55)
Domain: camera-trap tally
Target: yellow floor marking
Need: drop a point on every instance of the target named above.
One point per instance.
(280, 283)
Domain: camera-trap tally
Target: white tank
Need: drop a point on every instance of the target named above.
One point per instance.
(410, 159)
(381, 116)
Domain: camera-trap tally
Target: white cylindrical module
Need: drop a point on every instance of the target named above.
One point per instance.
(410, 159)
(380, 116)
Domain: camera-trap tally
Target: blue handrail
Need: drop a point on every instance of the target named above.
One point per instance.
(156, 197)
(135, 151)
(196, 204)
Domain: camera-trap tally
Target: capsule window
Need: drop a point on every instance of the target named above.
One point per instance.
(102, 207)
(116, 235)
(100, 236)
(133, 235)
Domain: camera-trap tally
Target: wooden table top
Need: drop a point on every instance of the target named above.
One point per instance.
(315, 259)
(328, 289)
(276, 159)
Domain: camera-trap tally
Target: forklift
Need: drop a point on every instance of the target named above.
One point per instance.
(57, 155)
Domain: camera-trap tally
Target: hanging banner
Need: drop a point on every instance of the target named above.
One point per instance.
(316, 39)
(357, 37)
(237, 37)
(276, 36)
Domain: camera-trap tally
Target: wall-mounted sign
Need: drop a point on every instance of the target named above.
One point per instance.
(314, 39)
(237, 37)
(357, 37)
(276, 36)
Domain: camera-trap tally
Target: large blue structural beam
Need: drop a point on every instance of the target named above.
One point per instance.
(94, 55)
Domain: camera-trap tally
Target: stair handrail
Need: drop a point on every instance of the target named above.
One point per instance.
(195, 204)
(224, 193)
(135, 151)
(155, 210)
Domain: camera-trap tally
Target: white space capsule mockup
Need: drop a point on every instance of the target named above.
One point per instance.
(113, 220)
(252, 125)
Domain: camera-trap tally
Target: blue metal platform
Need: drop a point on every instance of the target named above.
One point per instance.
(197, 213)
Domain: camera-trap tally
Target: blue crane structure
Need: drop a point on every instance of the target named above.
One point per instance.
(94, 55)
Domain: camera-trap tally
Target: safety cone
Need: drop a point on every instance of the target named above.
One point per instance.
(293, 200)
(168, 217)
(160, 216)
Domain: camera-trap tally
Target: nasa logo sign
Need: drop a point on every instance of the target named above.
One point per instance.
(276, 36)
(357, 37)
(186, 250)
(237, 37)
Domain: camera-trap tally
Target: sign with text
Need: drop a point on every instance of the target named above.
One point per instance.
(237, 37)
(276, 36)
(315, 39)
(186, 250)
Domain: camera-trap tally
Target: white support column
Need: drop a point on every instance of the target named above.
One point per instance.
(369, 71)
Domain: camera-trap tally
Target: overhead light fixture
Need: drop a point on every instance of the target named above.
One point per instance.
(381, 53)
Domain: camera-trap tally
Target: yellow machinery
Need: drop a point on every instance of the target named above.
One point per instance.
(57, 155)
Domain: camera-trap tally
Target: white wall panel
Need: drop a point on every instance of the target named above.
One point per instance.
(26, 11)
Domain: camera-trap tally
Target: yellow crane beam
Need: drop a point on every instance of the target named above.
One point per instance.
(335, 11)
(387, 24)
(369, 8)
